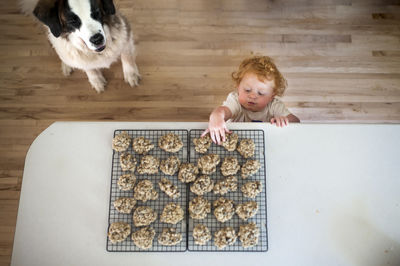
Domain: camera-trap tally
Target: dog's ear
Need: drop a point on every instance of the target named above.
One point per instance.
(108, 7)
(47, 12)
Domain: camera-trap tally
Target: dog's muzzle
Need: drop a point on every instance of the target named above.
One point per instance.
(98, 41)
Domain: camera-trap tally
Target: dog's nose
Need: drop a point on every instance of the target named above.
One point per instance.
(97, 39)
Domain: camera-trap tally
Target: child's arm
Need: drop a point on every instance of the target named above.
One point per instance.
(284, 120)
(216, 125)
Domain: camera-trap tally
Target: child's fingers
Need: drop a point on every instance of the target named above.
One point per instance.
(205, 132)
(272, 120)
(286, 121)
(227, 130)
(278, 122)
(222, 133)
(218, 137)
(212, 134)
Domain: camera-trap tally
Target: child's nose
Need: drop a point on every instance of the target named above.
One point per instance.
(253, 95)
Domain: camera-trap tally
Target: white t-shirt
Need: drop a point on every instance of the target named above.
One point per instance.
(239, 114)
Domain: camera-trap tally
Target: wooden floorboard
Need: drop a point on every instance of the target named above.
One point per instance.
(341, 59)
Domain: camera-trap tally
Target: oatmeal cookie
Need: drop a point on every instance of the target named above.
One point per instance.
(170, 142)
(246, 148)
(170, 166)
(126, 182)
(208, 163)
(148, 165)
(248, 235)
(202, 144)
(199, 207)
(141, 145)
(201, 234)
(121, 141)
(143, 238)
(172, 213)
(249, 168)
(251, 189)
(247, 209)
(188, 172)
(223, 209)
(225, 236)
(118, 232)
(143, 216)
(144, 191)
(124, 204)
(128, 162)
(230, 142)
(169, 237)
(202, 185)
(170, 189)
(225, 185)
(230, 166)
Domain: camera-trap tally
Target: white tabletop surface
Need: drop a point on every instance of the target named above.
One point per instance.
(333, 197)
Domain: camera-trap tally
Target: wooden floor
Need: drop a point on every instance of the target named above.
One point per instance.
(341, 59)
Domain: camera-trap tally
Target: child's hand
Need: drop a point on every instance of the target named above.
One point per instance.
(280, 121)
(216, 128)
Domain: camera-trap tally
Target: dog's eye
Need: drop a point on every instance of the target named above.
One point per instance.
(74, 21)
(96, 14)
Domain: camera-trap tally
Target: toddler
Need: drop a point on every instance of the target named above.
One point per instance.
(258, 81)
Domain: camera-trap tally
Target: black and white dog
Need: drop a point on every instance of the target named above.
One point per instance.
(87, 35)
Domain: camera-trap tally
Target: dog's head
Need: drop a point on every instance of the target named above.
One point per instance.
(82, 18)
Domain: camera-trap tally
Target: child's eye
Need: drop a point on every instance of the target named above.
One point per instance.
(261, 93)
(247, 90)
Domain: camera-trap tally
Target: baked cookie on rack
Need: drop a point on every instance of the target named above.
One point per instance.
(208, 163)
(170, 142)
(169, 237)
(230, 166)
(188, 172)
(141, 145)
(223, 209)
(248, 235)
(170, 165)
(202, 144)
(249, 168)
(148, 165)
(168, 188)
(172, 213)
(199, 207)
(118, 232)
(124, 204)
(143, 216)
(143, 238)
(226, 185)
(121, 142)
(127, 162)
(246, 148)
(224, 237)
(201, 234)
(145, 191)
(126, 182)
(230, 142)
(251, 189)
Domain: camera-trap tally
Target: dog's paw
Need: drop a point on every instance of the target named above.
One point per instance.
(66, 69)
(98, 83)
(132, 76)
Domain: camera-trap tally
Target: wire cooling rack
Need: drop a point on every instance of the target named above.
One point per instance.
(157, 205)
(210, 221)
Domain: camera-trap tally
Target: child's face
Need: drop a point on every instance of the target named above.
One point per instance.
(254, 95)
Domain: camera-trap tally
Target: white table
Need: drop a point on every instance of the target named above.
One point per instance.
(333, 195)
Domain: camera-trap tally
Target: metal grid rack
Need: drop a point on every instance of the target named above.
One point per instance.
(210, 221)
(157, 205)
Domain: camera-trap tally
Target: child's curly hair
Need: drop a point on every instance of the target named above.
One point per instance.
(264, 68)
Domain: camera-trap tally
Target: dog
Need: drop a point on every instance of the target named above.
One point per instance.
(87, 35)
